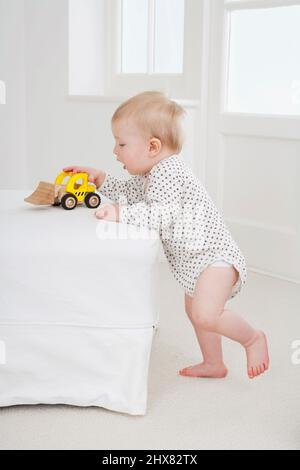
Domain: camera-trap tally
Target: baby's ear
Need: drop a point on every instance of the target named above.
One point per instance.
(155, 145)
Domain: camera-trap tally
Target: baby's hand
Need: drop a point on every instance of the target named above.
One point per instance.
(108, 212)
(94, 175)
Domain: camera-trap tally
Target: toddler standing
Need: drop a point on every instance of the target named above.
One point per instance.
(164, 194)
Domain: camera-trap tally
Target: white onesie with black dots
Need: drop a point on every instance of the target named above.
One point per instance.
(171, 200)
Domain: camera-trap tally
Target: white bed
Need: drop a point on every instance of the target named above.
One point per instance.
(78, 307)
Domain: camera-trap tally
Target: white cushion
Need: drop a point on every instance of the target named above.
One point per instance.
(78, 306)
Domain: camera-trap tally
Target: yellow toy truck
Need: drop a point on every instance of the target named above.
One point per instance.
(76, 190)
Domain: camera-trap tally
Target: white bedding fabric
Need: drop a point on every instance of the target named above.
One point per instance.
(77, 308)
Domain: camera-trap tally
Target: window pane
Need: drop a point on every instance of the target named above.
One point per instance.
(169, 36)
(86, 40)
(134, 36)
(264, 64)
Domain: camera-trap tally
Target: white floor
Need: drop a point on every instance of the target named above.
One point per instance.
(187, 413)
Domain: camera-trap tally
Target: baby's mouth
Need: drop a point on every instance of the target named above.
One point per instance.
(124, 167)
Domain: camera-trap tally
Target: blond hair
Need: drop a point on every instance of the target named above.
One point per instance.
(155, 116)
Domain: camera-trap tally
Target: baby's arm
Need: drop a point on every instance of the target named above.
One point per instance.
(112, 187)
(94, 176)
(162, 204)
(132, 188)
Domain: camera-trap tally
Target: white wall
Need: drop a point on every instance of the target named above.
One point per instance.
(41, 128)
(13, 147)
(60, 131)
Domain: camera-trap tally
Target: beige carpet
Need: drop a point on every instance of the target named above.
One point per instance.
(187, 413)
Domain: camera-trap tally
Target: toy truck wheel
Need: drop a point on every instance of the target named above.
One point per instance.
(69, 201)
(92, 200)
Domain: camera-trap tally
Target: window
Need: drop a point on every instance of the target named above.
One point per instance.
(118, 48)
(264, 59)
(134, 36)
(152, 36)
(87, 47)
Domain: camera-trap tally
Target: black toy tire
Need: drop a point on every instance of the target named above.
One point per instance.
(66, 201)
(92, 200)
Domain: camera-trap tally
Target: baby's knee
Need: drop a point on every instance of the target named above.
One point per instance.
(205, 318)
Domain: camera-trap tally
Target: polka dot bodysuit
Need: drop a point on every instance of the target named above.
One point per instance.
(171, 200)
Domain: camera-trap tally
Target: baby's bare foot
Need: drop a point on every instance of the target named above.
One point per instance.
(257, 355)
(215, 371)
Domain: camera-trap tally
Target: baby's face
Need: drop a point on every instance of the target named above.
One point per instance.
(131, 148)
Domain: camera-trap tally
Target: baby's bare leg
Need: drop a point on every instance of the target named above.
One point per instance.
(212, 290)
(211, 348)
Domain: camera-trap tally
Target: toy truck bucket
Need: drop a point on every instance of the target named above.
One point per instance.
(44, 194)
(47, 193)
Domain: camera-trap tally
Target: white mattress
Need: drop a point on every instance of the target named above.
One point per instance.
(78, 303)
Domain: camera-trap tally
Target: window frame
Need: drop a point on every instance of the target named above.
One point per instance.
(151, 14)
(257, 4)
(119, 83)
(228, 7)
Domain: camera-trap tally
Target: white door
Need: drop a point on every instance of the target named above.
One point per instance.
(251, 97)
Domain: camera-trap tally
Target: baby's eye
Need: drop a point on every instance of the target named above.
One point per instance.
(122, 145)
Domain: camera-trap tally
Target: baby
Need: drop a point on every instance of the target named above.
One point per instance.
(164, 194)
